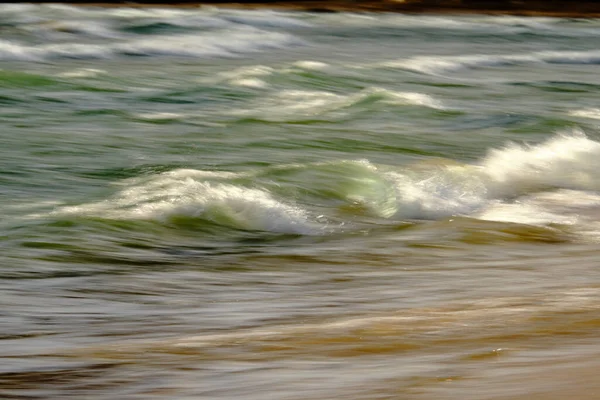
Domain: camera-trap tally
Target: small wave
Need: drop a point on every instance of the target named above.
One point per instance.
(83, 73)
(265, 19)
(396, 25)
(244, 76)
(215, 44)
(553, 182)
(170, 24)
(569, 161)
(180, 197)
(227, 43)
(433, 65)
(15, 14)
(437, 23)
(249, 82)
(592, 113)
(438, 191)
(311, 65)
(535, 209)
(128, 13)
(442, 188)
(83, 28)
(306, 103)
(158, 117)
(578, 210)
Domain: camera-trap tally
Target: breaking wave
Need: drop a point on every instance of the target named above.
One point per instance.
(545, 183)
(227, 43)
(181, 198)
(298, 104)
(433, 65)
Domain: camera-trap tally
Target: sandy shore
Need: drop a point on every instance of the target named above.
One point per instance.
(566, 10)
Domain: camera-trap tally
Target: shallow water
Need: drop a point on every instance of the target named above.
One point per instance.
(263, 205)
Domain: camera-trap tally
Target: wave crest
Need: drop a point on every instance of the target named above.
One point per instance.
(225, 43)
(180, 197)
(433, 65)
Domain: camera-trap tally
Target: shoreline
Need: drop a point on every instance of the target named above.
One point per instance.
(582, 10)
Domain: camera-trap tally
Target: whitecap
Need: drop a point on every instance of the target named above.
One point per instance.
(188, 195)
(215, 44)
(265, 19)
(243, 76)
(311, 65)
(433, 65)
(158, 116)
(592, 113)
(568, 161)
(249, 82)
(506, 184)
(82, 73)
(84, 28)
(307, 103)
(438, 190)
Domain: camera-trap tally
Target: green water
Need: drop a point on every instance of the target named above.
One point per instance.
(213, 204)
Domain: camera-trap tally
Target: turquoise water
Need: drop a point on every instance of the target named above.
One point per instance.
(220, 204)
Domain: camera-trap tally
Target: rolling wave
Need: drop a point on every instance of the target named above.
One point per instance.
(217, 44)
(433, 65)
(301, 104)
(554, 182)
(179, 199)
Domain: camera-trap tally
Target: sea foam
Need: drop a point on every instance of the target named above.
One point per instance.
(310, 103)
(569, 161)
(433, 65)
(592, 113)
(553, 182)
(434, 190)
(226, 43)
(184, 196)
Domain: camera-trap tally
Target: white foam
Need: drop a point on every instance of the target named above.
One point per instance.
(244, 76)
(577, 209)
(306, 103)
(569, 57)
(265, 19)
(442, 64)
(226, 43)
(139, 13)
(214, 44)
(183, 173)
(505, 185)
(569, 161)
(85, 28)
(188, 194)
(158, 116)
(82, 73)
(311, 65)
(592, 113)
(17, 52)
(439, 64)
(250, 71)
(412, 98)
(525, 211)
(17, 8)
(249, 82)
(438, 191)
(554, 182)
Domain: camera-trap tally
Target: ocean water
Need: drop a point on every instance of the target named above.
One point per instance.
(226, 204)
